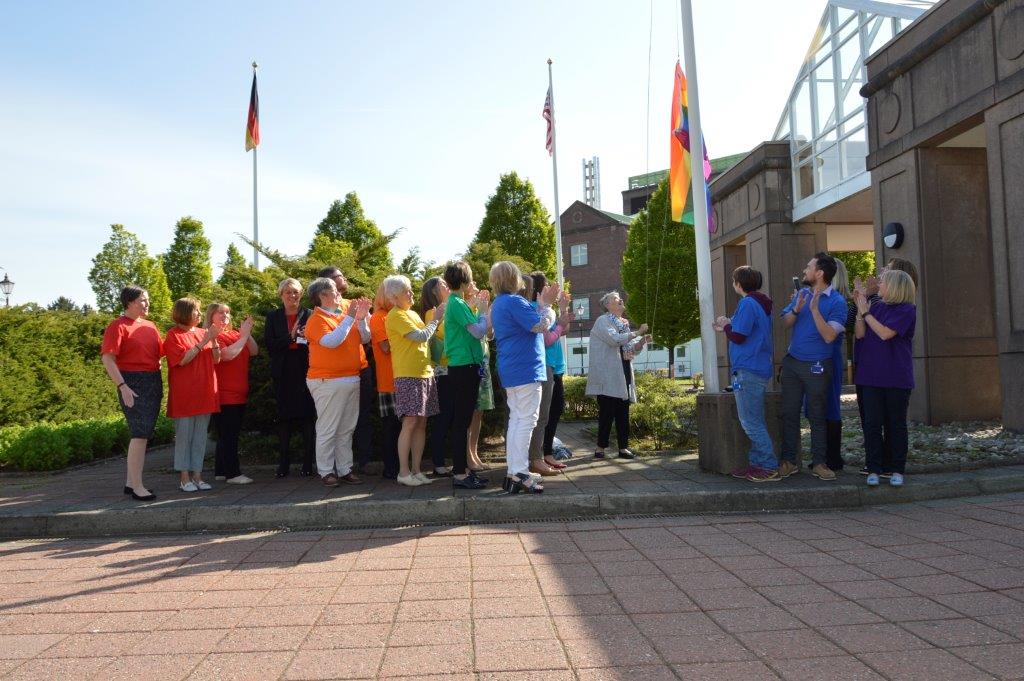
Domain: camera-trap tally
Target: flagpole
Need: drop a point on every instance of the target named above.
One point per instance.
(558, 213)
(700, 211)
(255, 206)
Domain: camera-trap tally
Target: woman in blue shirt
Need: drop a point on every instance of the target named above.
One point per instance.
(518, 331)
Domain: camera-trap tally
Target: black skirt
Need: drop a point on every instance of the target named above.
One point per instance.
(149, 393)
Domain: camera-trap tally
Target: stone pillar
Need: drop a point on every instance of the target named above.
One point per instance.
(940, 196)
(1005, 137)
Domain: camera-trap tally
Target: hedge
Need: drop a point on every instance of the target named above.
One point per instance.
(51, 446)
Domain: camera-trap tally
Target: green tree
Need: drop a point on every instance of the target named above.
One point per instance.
(346, 221)
(123, 261)
(63, 304)
(659, 274)
(187, 262)
(482, 254)
(858, 264)
(233, 262)
(515, 218)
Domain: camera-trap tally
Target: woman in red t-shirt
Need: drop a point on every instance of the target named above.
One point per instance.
(232, 390)
(131, 354)
(192, 389)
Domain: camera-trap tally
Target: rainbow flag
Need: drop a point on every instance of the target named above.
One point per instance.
(679, 169)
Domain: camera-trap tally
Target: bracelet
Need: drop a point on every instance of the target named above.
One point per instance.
(120, 384)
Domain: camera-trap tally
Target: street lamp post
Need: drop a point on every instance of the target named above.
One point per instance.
(7, 286)
(579, 316)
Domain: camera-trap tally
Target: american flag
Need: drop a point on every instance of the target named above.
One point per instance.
(547, 113)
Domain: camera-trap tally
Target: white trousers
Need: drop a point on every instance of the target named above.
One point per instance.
(337, 412)
(523, 412)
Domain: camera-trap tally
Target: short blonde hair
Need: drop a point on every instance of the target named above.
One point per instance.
(394, 286)
(380, 301)
(899, 287)
(288, 283)
(505, 277)
(211, 310)
(185, 310)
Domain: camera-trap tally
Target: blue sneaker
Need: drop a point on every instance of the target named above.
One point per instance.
(896, 480)
(872, 480)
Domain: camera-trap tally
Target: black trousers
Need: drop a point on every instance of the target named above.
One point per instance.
(285, 429)
(362, 438)
(799, 379)
(229, 427)
(612, 409)
(464, 385)
(555, 415)
(440, 424)
(886, 445)
(392, 426)
(885, 418)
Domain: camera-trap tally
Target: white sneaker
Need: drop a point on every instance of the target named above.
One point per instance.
(188, 486)
(202, 485)
(409, 481)
(239, 480)
(422, 477)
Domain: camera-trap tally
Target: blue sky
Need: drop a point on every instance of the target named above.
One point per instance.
(135, 113)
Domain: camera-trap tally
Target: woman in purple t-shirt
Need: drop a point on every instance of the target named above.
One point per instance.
(885, 371)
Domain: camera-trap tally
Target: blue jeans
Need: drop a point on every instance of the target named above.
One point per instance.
(749, 391)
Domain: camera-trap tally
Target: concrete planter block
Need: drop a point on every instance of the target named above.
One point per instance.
(722, 444)
(532, 507)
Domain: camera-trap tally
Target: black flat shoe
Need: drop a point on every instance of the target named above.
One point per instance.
(479, 478)
(281, 474)
(626, 454)
(306, 474)
(148, 497)
(598, 455)
(469, 482)
(127, 489)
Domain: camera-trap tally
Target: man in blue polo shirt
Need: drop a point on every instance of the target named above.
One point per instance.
(817, 316)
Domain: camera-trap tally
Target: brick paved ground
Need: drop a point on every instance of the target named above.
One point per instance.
(917, 591)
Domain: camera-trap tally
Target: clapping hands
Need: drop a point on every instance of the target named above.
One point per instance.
(550, 294)
(246, 326)
(721, 323)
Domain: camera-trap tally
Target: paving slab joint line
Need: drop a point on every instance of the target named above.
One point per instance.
(330, 514)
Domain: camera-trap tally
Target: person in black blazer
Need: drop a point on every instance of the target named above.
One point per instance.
(289, 361)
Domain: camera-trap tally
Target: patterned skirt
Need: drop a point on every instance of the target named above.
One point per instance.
(148, 387)
(416, 397)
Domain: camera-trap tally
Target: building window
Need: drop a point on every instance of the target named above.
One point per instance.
(681, 351)
(578, 255)
(578, 350)
(655, 348)
(577, 303)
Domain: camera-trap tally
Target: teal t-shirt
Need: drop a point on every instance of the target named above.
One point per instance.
(459, 344)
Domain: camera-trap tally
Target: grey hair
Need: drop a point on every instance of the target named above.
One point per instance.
(606, 298)
(394, 286)
(318, 287)
(288, 283)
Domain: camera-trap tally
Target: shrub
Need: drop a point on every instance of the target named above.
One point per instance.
(48, 446)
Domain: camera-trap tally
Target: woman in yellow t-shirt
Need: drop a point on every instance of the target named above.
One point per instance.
(415, 388)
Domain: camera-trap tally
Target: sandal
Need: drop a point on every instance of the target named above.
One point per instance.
(523, 482)
(555, 464)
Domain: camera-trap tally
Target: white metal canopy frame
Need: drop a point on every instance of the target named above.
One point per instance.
(824, 119)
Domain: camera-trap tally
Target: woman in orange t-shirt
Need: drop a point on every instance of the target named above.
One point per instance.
(336, 332)
(236, 346)
(192, 389)
(131, 354)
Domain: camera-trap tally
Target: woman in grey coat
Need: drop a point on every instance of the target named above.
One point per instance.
(612, 347)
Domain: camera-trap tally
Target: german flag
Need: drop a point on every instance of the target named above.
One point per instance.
(252, 128)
